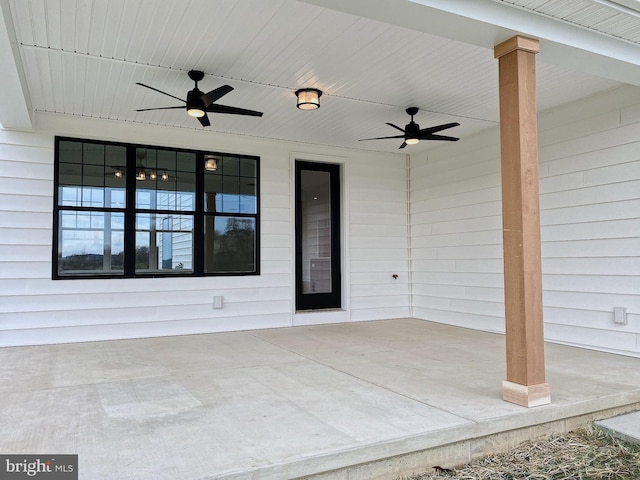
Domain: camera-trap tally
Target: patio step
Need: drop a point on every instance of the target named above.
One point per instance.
(626, 427)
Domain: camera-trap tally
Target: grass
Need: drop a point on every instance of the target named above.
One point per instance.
(586, 454)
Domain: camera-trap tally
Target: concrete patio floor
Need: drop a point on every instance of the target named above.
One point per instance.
(347, 401)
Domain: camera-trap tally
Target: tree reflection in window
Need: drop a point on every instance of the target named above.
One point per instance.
(124, 210)
(232, 246)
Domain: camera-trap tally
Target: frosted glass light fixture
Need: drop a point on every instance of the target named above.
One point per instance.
(210, 163)
(308, 98)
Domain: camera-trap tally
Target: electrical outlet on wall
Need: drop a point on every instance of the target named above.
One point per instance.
(217, 301)
(620, 315)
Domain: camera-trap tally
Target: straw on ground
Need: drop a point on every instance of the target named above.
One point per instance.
(586, 454)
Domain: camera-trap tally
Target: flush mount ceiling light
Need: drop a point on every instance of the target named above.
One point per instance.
(308, 98)
(210, 163)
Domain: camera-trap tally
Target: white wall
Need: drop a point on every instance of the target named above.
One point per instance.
(590, 200)
(590, 225)
(35, 309)
(378, 213)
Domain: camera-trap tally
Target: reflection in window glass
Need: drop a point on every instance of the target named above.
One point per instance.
(212, 190)
(165, 180)
(90, 242)
(164, 243)
(89, 175)
(106, 191)
(248, 195)
(248, 167)
(231, 248)
(230, 166)
(232, 187)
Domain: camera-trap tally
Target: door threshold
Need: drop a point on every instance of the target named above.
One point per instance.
(316, 310)
(319, 317)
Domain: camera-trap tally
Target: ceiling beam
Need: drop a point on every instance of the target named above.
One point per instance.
(15, 106)
(487, 23)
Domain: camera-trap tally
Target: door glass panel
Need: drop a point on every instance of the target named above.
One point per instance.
(316, 231)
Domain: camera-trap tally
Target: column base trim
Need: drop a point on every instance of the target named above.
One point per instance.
(526, 395)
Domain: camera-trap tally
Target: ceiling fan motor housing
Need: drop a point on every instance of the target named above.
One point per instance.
(194, 100)
(412, 130)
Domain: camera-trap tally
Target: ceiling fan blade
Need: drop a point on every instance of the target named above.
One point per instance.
(437, 128)
(160, 108)
(439, 137)
(404, 144)
(160, 91)
(217, 108)
(396, 127)
(380, 138)
(204, 120)
(215, 94)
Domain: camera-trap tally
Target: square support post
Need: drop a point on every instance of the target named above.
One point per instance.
(525, 384)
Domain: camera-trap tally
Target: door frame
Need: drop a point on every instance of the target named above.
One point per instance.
(333, 298)
(338, 315)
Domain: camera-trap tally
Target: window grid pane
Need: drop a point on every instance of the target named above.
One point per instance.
(165, 180)
(91, 242)
(164, 243)
(164, 220)
(230, 244)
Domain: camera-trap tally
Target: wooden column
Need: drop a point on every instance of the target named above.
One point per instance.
(525, 384)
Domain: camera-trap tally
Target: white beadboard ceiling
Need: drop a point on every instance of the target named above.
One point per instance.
(619, 18)
(84, 57)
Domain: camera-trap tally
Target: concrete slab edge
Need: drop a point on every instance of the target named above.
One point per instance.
(617, 434)
(413, 455)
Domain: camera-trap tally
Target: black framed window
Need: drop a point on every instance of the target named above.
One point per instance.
(123, 210)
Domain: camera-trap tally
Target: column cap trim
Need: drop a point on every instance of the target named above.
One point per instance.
(516, 43)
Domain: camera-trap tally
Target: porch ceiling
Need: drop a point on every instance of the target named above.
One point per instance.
(84, 58)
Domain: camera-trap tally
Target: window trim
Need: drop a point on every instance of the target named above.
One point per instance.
(130, 211)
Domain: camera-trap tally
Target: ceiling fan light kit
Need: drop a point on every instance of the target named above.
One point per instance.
(412, 134)
(308, 98)
(198, 103)
(195, 107)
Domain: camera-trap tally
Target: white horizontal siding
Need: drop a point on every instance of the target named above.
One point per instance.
(136, 329)
(590, 226)
(36, 309)
(378, 242)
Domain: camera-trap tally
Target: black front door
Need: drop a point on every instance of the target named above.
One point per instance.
(318, 278)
